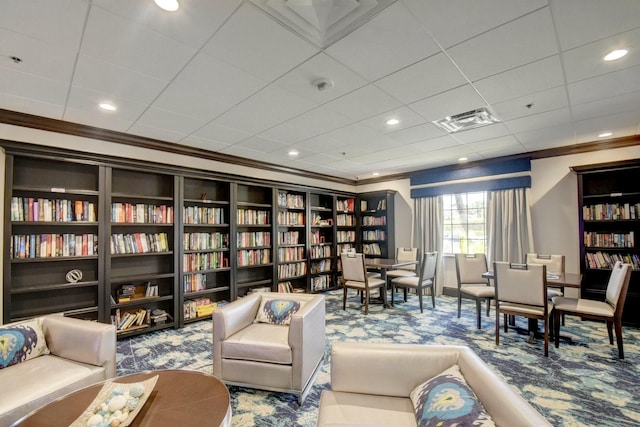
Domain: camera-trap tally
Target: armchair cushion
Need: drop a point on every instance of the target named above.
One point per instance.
(277, 311)
(448, 399)
(21, 342)
(250, 344)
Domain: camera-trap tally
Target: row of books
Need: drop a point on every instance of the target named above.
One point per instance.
(253, 217)
(291, 201)
(380, 206)
(52, 210)
(345, 220)
(289, 238)
(292, 270)
(607, 260)
(345, 247)
(204, 261)
(203, 215)
(205, 241)
(253, 239)
(371, 249)
(251, 257)
(194, 282)
(317, 238)
(53, 245)
(200, 307)
(131, 319)
(320, 251)
(141, 213)
(319, 283)
(290, 254)
(139, 243)
(374, 235)
(609, 240)
(290, 218)
(320, 266)
(346, 205)
(611, 211)
(346, 236)
(374, 220)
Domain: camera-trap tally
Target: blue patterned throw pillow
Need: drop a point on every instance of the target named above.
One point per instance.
(277, 311)
(21, 342)
(447, 400)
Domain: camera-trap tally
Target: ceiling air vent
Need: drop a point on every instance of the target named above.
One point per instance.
(469, 120)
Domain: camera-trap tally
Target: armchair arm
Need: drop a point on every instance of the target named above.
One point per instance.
(307, 339)
(81, 340)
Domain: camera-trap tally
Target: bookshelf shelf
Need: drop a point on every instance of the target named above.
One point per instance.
(375, 233)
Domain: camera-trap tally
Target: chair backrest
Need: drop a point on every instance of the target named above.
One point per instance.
(521, 283)
(469, 269)
(554, 263)
(428, 266)
(617, 286)
(353, 266)
(407, 254)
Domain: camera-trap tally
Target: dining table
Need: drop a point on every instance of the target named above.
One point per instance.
(385, 264)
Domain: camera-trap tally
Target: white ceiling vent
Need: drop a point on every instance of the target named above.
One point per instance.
(322, 22)
(469, 120)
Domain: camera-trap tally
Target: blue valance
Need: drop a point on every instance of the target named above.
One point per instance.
(470, 187)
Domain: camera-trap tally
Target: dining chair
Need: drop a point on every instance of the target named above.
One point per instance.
(471, 284)
(521, 290)
(354, 275)
(555, 265)
(609, 310)
(425, 280)
(404, 254)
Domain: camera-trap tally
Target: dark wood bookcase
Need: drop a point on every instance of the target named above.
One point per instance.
(291, 241)
(323, 263)
(609, 212)
(376, 217)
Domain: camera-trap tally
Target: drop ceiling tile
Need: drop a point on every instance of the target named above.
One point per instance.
(192, 24)
(216, 132)
(203, 143)
(452, 154)
(319, 159)
(550, 137)
(265, 109)
(586, 61)
(267, 51)
(408, 118)
(261, 145)
(236, 150)
(507, 142)
(363, 103)
(180, 124)
(428, 77)
(161, 134)
(611, 84)
(380, 157)
(579, 22)
(456, 101)
(433, 144)
(624, 124)
(503, 151)
(133, 46)
(538, 121)
(479, 134)
(327, 144)
(417, 133)
(312, 123)
(546, 100)
(610, 105)
(527, 79)
(29, 86)
(524, 40)
(320, 67)
(351, 151)
(82, 107)
(31, 106)
(453, 21)
(391, 40)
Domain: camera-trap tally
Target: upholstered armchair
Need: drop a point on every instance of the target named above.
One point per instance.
(271, 341)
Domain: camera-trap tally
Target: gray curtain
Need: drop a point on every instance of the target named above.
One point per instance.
(427, 231)
(510, 235)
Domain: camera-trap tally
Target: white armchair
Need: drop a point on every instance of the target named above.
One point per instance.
(276, 357)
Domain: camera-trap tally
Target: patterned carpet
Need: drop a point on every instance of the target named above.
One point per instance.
(582, 383)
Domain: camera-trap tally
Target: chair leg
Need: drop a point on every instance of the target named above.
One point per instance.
(405, 292)
(546, 338)
(618, 324)
(498, 326)
(459, 303)
(506, 325)
(479, 313)
(433, 296)
(556, 327)
(488, 307)
(383, 291)
(419, 297)
(393, 293)
(366, 301)
(610, 331)
(344, 298)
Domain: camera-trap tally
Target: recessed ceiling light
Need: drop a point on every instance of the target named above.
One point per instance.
(293, 153)
(392, 122)
(615, 54)
(605, 134)
(168, 5)
(376, 174)
(107, 106)
(463, 159)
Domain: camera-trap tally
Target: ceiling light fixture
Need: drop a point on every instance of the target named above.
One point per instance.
(293, 153)
(376, 174)
(467, 120)
(107, 106)
(615, 54)
(605, 134)
(392, 122)
(168, 5)
(463, 159)
(322, 84)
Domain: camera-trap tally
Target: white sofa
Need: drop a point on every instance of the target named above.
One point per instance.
(81, 353)
(371, 384)
(282, 358)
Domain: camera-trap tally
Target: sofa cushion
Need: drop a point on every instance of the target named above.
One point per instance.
(338, 408)
(259, 342)
(20, 342)
(277, 311)
(447, 399)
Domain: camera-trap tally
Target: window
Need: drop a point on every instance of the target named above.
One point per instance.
(465, 223)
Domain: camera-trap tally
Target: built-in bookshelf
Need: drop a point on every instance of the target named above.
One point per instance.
(376, 237)
(609, 209)
(322, 252)
(53, 225)
(253, 239)
(140, 263)
(292, 263)
(206, 260)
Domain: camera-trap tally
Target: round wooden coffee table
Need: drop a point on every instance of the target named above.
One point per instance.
(179, 398)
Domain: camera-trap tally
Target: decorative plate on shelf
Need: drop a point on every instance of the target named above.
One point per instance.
(116, 401)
